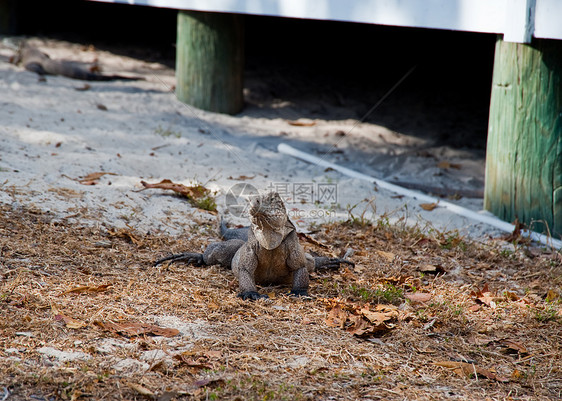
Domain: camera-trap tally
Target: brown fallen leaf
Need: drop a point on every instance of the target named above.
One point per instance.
(124, 233)
(552, 295)
(418, 297)
(307, 238)
(511, 296)
(431, 269)
(92, 178)
(301, 123)
(69, 322)
(370, 322)
(337, 317)
(468, 370)
(513, 346)
(486, 297)
(381, 315)
(206, 382)
(516, 236)
(396, 280)
(194, 191)
(360, 327)
(517, 375)
(197, 195)
(429, 206)
(360, 321)
(389, 256)
(87, 288)
(445, 165)
(136, 329)
(202, 359)
(139, 388)
(242, 177)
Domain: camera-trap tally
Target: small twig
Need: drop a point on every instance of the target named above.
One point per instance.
(534, 356)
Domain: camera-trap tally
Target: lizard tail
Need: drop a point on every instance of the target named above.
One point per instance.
(222, 228)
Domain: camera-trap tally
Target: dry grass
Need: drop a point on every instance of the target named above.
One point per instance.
(278, 349)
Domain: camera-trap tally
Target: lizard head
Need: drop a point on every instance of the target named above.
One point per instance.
(269, 219)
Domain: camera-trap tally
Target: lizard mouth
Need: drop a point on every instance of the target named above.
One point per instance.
(269, 231)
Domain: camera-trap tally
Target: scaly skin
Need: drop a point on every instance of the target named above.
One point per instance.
(268, 252)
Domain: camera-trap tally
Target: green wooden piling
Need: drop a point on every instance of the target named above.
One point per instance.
(210, 61)
(524, 152)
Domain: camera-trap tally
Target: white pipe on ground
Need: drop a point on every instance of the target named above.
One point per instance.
(461, 211)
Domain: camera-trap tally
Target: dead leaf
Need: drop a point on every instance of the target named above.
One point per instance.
(206, 382)
(431, 269)
(337, 317)
(301, 123)
(429, 206)
(445, 165)
(360, 321)
(199, 359)
(197, 195)
(69, 322)
(92, 178)
(517, 375)
(468, 370)
(418, 296)
(389, 256)
(360, 327)
(486, 297)
(194, 191)
(381, 314)
(307, 238)
(124, 233)
(513, 346)
(136, 329)
(396, 280)
(141, 389)
(242, 177)
(516, 236)
(88, 288)
(511, 296)
(552, 295)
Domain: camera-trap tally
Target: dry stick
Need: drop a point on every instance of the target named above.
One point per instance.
(459, 210)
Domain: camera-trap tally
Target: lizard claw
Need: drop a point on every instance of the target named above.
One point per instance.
(192, 258)
(252, 295)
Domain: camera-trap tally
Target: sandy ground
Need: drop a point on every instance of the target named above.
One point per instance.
(52, 134)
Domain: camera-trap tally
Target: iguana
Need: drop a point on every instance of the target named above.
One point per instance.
(266, 252)
(36, 61)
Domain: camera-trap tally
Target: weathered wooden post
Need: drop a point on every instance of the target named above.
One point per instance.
(210, 60)
(524, 154)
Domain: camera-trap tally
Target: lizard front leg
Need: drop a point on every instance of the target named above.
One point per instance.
(300, 282)
(244, 265)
